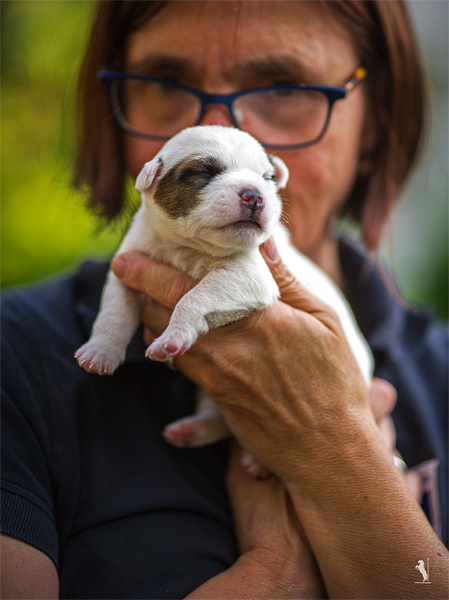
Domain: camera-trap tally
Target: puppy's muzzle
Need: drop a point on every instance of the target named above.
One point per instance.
(252, 203)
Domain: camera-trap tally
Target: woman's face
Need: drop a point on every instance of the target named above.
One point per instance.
(228, 46)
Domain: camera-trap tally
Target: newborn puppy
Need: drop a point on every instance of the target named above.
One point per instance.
(209, 199)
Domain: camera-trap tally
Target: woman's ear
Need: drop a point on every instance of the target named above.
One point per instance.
(282, 173)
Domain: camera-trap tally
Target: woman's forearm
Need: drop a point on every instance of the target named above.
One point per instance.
(365, 528)
(259, 574)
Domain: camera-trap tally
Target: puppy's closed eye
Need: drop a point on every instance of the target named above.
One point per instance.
(200, 170)
(177, 192)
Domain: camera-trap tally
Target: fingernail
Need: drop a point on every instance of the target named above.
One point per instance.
(119, 266)
(270, 250)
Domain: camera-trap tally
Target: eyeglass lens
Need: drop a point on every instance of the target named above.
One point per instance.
(275, 117)
(283, 117)
(156, 108)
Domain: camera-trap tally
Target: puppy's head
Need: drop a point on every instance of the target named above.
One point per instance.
(215, 187)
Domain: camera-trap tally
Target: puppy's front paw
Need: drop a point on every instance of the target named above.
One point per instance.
(95, 359)
(173, 342)
(160, 350)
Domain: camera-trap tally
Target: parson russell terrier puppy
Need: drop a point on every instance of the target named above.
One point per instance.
(209, 199)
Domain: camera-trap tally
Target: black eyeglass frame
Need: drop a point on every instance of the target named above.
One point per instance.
(332, 94)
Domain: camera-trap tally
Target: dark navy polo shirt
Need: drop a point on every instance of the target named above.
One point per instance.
(87, 475)
(88, 479)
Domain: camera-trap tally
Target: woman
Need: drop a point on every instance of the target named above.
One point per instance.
(96, 505)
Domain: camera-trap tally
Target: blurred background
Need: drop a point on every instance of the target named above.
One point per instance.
(45, 228)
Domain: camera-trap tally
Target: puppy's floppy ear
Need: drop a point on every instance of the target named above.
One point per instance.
(282, 173)
(148, 174)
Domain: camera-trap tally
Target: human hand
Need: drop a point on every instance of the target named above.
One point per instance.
(299, 391)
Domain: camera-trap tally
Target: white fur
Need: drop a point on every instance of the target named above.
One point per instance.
(207, 244)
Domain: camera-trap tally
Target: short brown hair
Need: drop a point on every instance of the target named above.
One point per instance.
(396, 94)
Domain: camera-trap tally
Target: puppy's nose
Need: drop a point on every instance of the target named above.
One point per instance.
(252, 198)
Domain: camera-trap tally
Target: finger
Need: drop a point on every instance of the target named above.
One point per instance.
(414, 484)
(388, 432)
(382, 398)
(291, 290)
(162, 282)
(155, 316)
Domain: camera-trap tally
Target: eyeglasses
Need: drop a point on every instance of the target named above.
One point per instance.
(279, 116)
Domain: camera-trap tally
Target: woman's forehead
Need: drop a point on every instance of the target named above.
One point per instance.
(267, 38)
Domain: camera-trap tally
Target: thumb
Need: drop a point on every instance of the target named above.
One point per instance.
(291, 290)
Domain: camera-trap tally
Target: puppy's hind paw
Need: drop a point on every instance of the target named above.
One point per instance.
(253, 466)
(196, 431)
(96, 360)
(182, 433)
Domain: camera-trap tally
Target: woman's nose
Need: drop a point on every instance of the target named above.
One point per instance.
(216, 114)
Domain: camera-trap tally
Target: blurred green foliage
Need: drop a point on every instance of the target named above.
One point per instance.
(45, 227)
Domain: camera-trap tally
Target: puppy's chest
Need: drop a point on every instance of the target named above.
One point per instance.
(196, 264)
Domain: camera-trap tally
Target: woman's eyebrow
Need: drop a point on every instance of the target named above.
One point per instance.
(282, 66)
(157, 64)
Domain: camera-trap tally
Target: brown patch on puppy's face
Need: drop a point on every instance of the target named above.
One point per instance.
(178, 190)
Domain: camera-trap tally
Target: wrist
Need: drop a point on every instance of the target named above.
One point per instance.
(352, 457)
(284, 576)
(256, 575)
(334, 449)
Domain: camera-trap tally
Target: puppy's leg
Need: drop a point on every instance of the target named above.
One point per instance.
(206, 426)
(113, 329)
(224, 295)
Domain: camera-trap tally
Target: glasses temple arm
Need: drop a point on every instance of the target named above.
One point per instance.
(358, 77)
